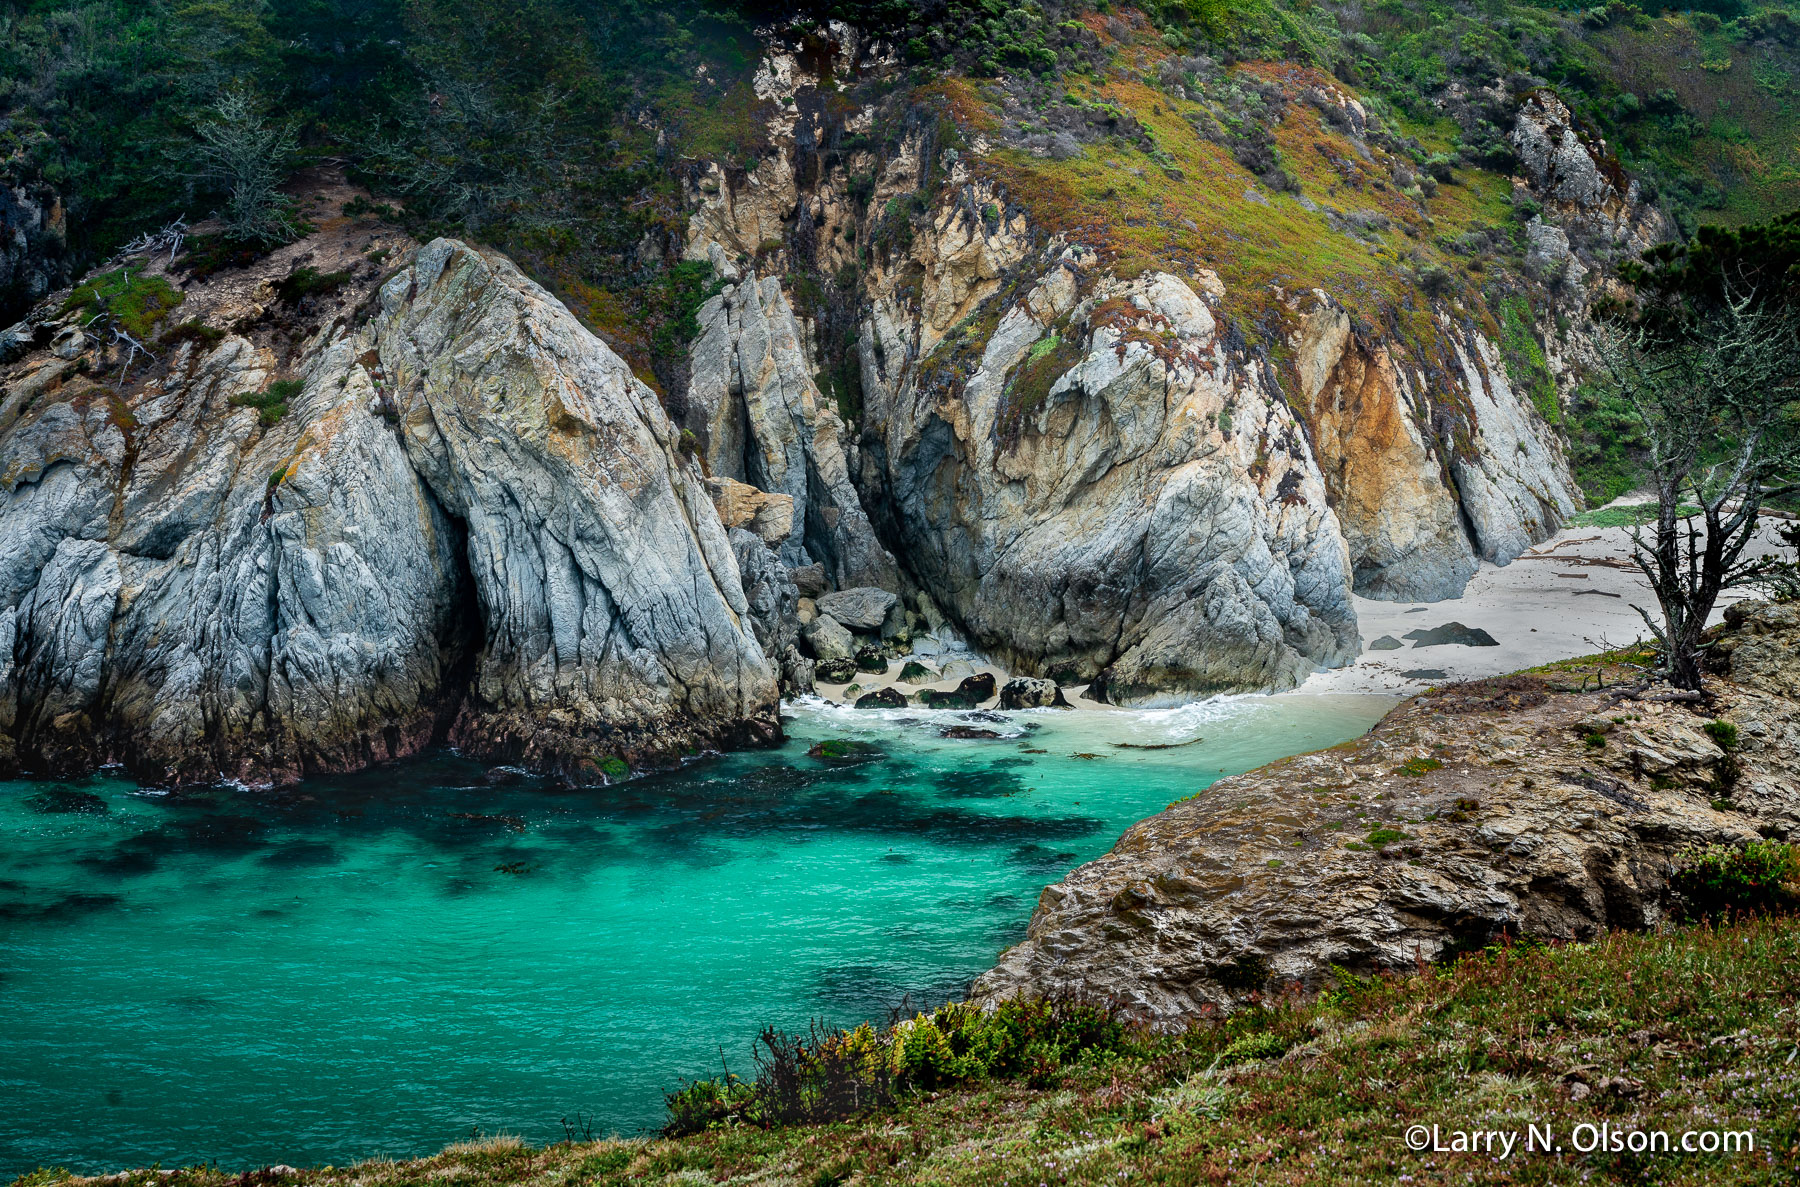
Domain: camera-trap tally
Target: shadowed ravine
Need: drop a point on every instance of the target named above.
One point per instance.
(377, 964)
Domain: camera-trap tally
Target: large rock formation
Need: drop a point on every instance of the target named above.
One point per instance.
(1110, 490)
(1495, 808)
(1094, 477)
(472, 522)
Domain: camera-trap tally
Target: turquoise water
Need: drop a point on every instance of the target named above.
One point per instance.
(379, 964)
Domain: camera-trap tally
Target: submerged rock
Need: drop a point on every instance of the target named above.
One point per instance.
(845, 751)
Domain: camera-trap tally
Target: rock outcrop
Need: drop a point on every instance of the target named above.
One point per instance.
(1093, 478)
(468, 521)
(1110, 490)
(764, 421)
(1500, 807)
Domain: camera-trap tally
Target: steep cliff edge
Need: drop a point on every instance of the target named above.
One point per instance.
(1075, 390)
(325, 524)
(1501, 807)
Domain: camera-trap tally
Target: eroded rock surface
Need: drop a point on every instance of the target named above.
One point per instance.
(471, 522)
(1498, 807)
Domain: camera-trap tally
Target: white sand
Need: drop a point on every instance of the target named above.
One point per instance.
(1571, 595)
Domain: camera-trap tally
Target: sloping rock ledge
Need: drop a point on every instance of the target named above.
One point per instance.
(1476, 810)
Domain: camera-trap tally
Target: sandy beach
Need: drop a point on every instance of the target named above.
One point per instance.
(1571, 595)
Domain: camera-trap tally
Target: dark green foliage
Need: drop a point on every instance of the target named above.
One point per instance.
(674, 299)
(1719, 880)
(271, 404)
(1606, 443)
(1525, 358)
(1723, 733)
(306, 281)
(830, 1075)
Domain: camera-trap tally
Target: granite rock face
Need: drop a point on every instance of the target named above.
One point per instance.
(1474, 811)
(1088, 477)
(763, 421)
(1111, 493)
(471, 523)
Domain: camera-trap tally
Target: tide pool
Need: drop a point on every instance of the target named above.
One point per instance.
(383, 963)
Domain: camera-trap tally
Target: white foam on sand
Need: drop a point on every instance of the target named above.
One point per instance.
(1571, 595)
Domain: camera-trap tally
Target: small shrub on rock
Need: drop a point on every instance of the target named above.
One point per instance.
(1721, 880)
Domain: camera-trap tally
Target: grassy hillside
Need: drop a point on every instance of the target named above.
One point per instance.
(1693, 1029)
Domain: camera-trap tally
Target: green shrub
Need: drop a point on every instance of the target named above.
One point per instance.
(305, 281)
(271, 404)
(1415, 767)
(1723, 733)
(136, 303)
(1719, 880)
(827, 1075)
(1385, 836)
(1263, 1045)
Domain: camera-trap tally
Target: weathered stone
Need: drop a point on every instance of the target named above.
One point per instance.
(914, 672)
(1515, 826)
(870, 659)
(1386, 643)
(468, 481)
(1451, 633)
(862, 609)
(810, 579)
(827, 639)
(1027, 692)
(753, 399)
(835, 671)
(882, 698)
(977, 689)
(740, 505)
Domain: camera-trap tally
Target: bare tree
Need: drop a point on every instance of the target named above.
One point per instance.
(245, 155)
(1715, 393)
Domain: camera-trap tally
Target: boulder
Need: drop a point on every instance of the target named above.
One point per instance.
(862, 609)
(914, 672)
(809, 579)
(870, 659)
(1386, 643)
(977, 689)
(770, 517)
(835, 671)
(1452, 633)
(828, 639)
(882, 698)
(1028, 692)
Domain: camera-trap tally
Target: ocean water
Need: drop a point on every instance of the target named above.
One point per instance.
(383, 963)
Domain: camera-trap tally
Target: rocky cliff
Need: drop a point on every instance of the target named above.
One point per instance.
(1513, 807)
(1167, 480)
(1091, 380)
(320, 525)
